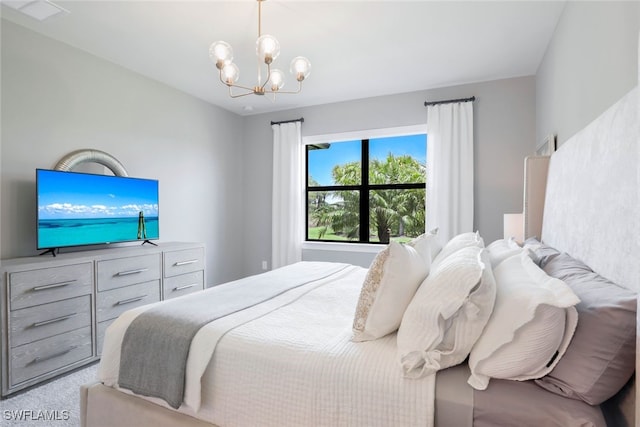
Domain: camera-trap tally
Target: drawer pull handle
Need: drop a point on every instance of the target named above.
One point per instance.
(191, 261)
(130, 300)
(179, 288)
(53, 355)
(54, 285)
(57, 319)
(128, 272)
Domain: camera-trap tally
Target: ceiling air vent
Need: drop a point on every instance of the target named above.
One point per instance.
(39, 9)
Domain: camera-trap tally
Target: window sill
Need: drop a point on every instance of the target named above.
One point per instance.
(343, 247)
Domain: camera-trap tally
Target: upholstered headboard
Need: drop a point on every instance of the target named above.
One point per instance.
(592, 202)
(592, 212)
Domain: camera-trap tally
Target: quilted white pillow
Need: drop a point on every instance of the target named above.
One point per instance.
(533, 321)
(502, 249)
(447, 314)
(458, 242)
(392, 280)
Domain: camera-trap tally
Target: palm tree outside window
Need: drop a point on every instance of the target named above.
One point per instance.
(366, 190)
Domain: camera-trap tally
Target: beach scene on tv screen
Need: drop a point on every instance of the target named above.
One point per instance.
(81, 209)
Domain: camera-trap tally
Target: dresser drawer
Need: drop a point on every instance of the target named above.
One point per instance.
(117, 273)
(183, 284)
(34, 323)
(40, 286)
(113, 303)
(184, 261)
(43, 356)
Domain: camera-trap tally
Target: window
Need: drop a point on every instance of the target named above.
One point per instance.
(368, 190)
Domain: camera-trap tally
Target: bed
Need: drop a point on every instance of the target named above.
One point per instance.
(299, 355)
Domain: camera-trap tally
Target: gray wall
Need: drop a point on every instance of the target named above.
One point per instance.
(56, 99)
(590, 63)
(213, 164)
(504, 133)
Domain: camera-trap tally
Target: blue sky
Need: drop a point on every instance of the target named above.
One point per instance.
(66, 195)
(321, 162)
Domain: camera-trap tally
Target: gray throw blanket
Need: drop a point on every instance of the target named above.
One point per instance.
(156, 344)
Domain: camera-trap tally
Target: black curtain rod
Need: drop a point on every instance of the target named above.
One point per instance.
(449, 101)
(301, 119)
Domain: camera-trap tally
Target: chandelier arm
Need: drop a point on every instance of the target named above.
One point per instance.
(288, 92)
(230, 85)
(240, 87)
(240, 95)
(267, 79)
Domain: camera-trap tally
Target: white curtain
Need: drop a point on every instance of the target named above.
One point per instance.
(287, 206)
(449, 201)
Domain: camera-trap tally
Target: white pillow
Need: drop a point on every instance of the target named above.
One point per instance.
(458, 242)
(428, 246)
(447, 314)
(502, 249)
(532, 324)
(392, 280)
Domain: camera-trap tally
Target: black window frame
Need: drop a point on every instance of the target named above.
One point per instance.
(364, 188)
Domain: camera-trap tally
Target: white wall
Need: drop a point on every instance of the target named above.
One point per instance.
(504, 133)
(57, 99)
(591, 62)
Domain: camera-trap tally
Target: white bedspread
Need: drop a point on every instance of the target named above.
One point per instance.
(291, 361)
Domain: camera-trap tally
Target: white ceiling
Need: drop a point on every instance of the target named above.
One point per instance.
(357, 49)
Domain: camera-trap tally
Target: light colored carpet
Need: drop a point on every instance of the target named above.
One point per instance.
(55, 404)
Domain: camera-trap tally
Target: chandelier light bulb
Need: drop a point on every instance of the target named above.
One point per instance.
(221, 53)
(230, 73)
(276, 80)
(300, 67)
(267, 48)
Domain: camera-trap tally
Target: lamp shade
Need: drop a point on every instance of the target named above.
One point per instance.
(300, 67)
(267, 48)
(276, 80)
(221, 53)
(230, 73)
(514, 226)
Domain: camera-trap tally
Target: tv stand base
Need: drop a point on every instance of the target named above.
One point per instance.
(50, 250)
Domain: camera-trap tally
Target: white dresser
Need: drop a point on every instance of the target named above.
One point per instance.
(55, 310)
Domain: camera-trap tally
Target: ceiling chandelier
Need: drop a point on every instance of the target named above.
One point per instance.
(267, 50)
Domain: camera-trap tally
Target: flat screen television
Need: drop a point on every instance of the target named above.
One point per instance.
(79, 209)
